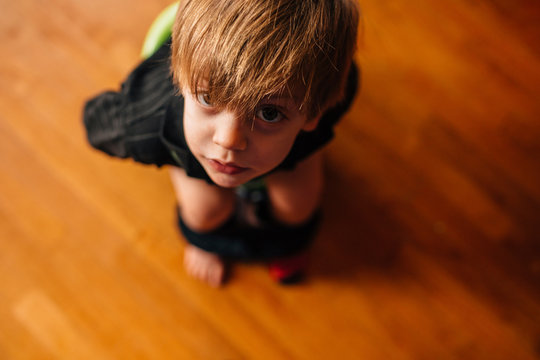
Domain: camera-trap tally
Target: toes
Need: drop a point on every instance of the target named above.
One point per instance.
(204, 266)
(215, 275)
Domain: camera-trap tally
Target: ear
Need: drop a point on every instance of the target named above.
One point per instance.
(311, 124)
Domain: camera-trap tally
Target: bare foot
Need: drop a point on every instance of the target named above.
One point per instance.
(204, 265)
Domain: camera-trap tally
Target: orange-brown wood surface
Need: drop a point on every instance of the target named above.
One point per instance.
(430, 247)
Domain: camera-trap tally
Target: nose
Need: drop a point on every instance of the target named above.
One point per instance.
(229, 132)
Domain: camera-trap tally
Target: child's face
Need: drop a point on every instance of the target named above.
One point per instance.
(234, 149)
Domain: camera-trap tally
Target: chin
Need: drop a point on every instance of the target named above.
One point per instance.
(227, 181)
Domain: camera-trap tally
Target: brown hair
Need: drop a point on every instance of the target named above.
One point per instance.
(241, 51)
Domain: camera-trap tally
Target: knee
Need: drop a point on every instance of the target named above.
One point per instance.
(201, 218)
(296, 207)
(295, 196)
(296, 210)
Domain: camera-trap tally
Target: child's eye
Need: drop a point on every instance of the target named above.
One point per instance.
(204, 99)
(269, 114)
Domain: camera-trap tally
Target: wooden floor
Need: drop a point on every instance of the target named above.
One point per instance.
(430, 248)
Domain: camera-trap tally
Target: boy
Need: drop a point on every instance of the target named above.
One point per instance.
(254, 89)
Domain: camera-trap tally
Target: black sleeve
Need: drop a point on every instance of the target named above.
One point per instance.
(128, 123)
(308, 142)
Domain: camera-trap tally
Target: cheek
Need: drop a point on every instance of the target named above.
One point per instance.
(271, 151)
(195, 130)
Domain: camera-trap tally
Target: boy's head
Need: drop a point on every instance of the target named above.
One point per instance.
(239, 52)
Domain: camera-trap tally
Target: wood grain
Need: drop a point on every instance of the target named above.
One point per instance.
(430, 245)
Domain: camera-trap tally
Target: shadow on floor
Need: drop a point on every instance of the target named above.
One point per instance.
(358, 233)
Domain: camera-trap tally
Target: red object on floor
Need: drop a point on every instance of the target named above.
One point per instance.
(289, 270)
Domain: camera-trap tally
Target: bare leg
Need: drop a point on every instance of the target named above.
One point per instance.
(203, 207)
(295, 195)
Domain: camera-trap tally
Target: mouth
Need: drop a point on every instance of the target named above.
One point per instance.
(226, 168)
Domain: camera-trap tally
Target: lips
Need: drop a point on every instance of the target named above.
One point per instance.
(226, 168)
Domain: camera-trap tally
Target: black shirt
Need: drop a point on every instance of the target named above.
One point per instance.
(143, 120)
